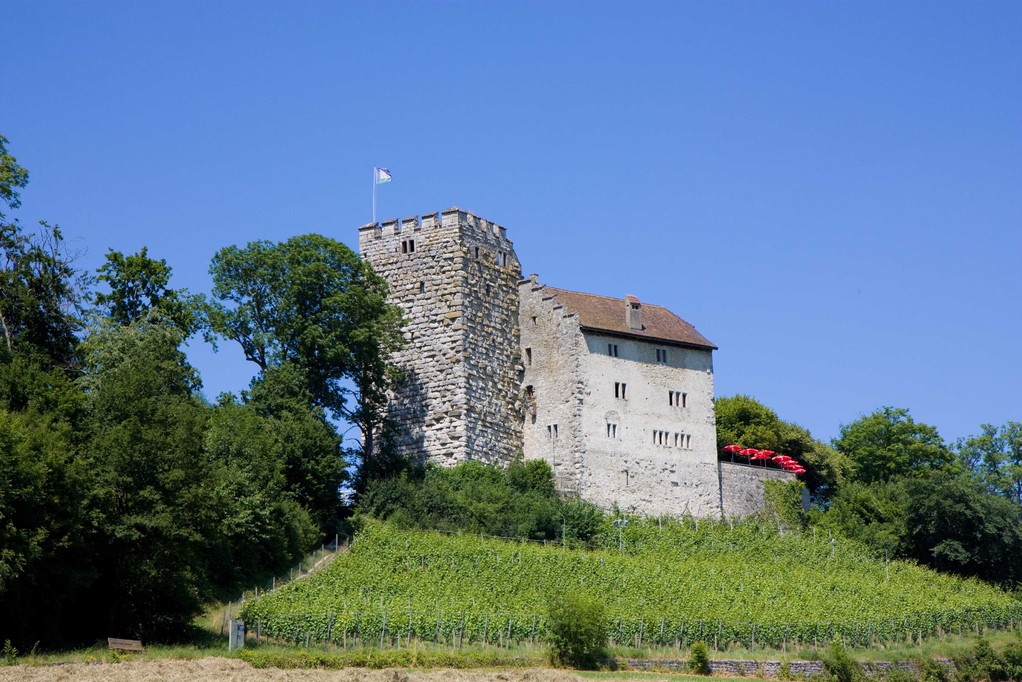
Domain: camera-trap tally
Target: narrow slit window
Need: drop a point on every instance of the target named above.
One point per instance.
(612, 350)
(528, 357)
(422, 287)
(684, 399)
(661, 356)
(688, 442)
(477, 252)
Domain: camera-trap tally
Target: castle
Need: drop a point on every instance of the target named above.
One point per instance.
(616, 394)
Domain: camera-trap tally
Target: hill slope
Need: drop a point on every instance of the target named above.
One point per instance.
(668, 585)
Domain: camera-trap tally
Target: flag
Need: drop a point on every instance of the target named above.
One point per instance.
(382, 176)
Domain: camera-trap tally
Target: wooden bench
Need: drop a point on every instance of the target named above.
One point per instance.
(124, 644)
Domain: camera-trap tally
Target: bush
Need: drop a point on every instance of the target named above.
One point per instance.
(898, 674)
(1011, 659)
(578, 630)
(840, 666)
(699, 658)
(932, 671)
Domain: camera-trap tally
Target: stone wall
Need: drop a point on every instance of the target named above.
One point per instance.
(769, 669)
(641, 452)
(741, 487)
(552, 385)
(603, 446)
(455, 276)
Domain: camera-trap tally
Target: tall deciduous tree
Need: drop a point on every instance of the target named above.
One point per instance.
(995, 456)
(40, 289)
(888, 444)
(139, 285)
(312, 303)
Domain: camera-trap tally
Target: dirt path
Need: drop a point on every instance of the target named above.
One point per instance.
(233, 670)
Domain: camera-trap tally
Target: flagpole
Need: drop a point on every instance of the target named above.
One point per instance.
(374, 195)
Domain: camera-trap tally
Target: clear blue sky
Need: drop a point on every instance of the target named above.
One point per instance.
(830, 191)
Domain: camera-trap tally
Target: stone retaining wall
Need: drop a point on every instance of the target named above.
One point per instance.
(768, 669)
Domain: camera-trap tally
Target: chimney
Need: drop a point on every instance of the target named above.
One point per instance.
(633, 313)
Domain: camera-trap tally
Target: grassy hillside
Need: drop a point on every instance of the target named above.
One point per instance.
(667, 585)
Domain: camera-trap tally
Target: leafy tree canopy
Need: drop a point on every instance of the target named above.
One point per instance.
(995, 456)
(744, 420)
(888, 444)
(139, 285)
(312, 303)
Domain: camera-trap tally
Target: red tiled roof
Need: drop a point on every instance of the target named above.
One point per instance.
(601, 313)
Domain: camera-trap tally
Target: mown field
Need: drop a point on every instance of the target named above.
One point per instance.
(665, 586)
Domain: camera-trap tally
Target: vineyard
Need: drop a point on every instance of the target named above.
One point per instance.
(666, 586)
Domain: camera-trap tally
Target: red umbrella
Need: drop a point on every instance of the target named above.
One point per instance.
(766, 453)
(749, 452)
(732, 449)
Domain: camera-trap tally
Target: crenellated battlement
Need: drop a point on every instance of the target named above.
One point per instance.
(455, 276)
(471, 224)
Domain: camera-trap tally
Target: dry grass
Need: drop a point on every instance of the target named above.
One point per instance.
(233, 670)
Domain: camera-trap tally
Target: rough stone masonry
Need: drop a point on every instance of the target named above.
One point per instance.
(616, 395)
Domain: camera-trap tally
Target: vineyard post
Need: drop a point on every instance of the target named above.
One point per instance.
(436, 636)
(383, 630)
(329, 625)
(642, 627)
(532, 637)
(461, 633)
(486, 630)
(508, 640)
(661, 640)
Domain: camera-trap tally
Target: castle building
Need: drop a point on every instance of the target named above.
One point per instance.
(616, 394)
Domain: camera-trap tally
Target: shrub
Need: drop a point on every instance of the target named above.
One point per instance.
(9, 655)
(840, 666)
(1011, 659)
(932, 671)
(898, 674)
(699, 658)
(578, 630)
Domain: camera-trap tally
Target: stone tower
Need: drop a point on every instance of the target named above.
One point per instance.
(455, 276)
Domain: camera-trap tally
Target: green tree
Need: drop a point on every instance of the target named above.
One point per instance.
(743, 420)
(138, 285)
(578, 630)
(871, 513)
(303, 441)
(262, 528)
(888, 444)
(995, 456)
(40, 289)
(12, 177)
(955, 525)
(313, 303)
(148, 502)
